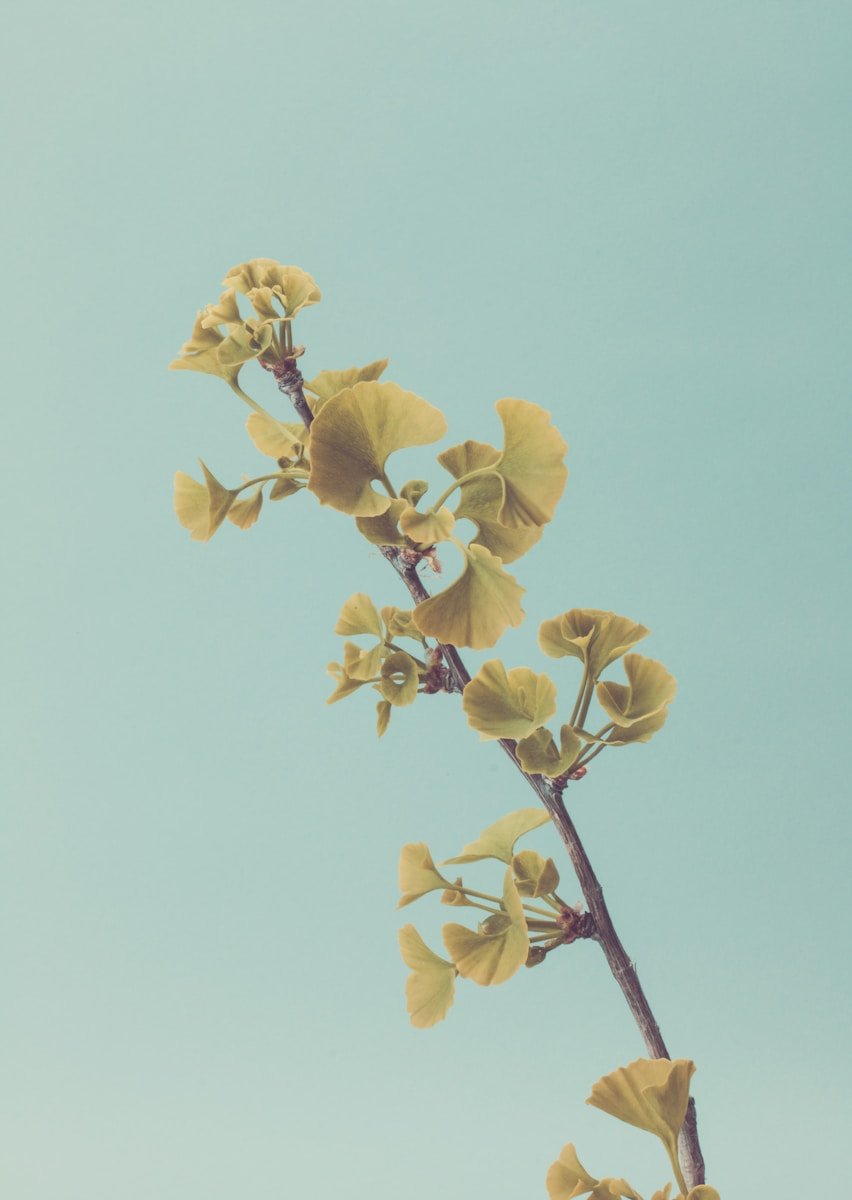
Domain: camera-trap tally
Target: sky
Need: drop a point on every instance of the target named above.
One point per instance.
(634, 215)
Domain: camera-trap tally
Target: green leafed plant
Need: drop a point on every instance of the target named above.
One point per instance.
(345, 447)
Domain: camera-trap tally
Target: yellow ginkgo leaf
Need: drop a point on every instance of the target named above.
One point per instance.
(296, 286)
(224, 312)
(534, 876)
(414, 490)
(353, 435)
(651, 1094)
(481, 500)
(427, 527)
(278, 439)
(201, 507)
(418, 874)
(594, 636)
(567, 1177)
(399, 678)
(359, 615)
(284, 487)
(244, 513)
(703, 1192)
(530, 465)
(663, 1194)
(383, 713)
(243, 343)
(650, 687)
(201, 353)
(538, 755)
(362, 664)
(384, 530)
(455, 897)
(346, 685)
(430, 988)
(507, 705)
(399, 622)
(605, 1189)
(329, 383)
(477, 608)
(498, 840)
(493, 956)
(640, 731)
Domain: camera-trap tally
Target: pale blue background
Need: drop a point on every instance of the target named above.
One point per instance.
(634, 214)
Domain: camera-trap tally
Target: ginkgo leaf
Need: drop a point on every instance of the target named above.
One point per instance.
(359, 615)
(651, 1094)
(414, 490)
(418, 874)
(400, 679)
(243, 343)
(481, 500)
(530, 465)
(278, 439)
(467, 457)
(399, 622)
(640, 731)
(244, 513)
(507, 705)
(224, 312)
(538, 755)
(489, 958)
(384, 530)
(664, 1194)
(383, 713)
(605, 1189)
(353, 435)
(703, 1192)
(594, 636)
(201, 353)
(201, 507)
(427, 527)
(567, 1177)
(346, 685)
(362, 664)
(297, 287)
(534, 875)
(498, 840)
(477, 608)
(430, 988)
(650, 687)
(329, 383)
(455, 897)
(284, 487)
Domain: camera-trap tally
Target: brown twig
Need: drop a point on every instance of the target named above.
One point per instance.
(621, 966)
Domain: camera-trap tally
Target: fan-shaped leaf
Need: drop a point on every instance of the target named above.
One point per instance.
(383, 713)
(430, 988)
(295, 286)
(359, 615)
(594, 636)
(384, 530)
(329, 383)
(538, 755)
(477, 608)
(531, 465)
(651, 1094)
(399, 678)
(650, 687)
(507, 705)
(427, 527)
(278, 439)
(498, 840)
(201, 507)
(353, 435)
(568, 1178)
(418, 874)
(491, 957)
(244, 513)
(534, 876)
